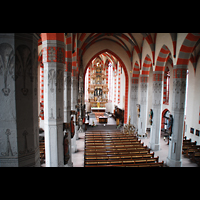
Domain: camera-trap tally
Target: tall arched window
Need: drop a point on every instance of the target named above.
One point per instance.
(166, 86)
(110, 81)
(186, 91)
(86, 85)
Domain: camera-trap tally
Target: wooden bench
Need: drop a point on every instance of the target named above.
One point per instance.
(188, 152)
(117, 149)
(89, 144)
(185, 148)
(42, 151)
(113, 152)
(196, 158)
(191, 150)
(119, 156)
(122, 161)
(159, 164)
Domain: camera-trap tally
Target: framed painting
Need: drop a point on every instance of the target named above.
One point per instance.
(197, 132)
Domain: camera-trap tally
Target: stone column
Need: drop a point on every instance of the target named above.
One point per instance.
(154, 143)
(19, 134)
(178, 104)
(54, 61)
(73, 103)
(67, 91)
(134, 101)
(143, 105)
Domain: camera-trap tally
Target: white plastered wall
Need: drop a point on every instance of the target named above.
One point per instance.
(193, 102)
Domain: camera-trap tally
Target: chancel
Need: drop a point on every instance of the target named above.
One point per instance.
(125, 99)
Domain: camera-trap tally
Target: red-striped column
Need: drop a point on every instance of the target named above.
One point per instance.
(41, 87)
(178, 99)
(54, 64)
(67, 88)
(42, 91)
(68, 74)
(144, 95)
(157, 98)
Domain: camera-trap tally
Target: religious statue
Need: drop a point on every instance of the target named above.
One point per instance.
(170, 124)
(98, 104)
(72, 127)
(151, 116)
(66, 148)
(138, 110)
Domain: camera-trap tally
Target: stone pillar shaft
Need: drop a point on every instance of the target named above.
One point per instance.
(133, 103)
(54, 64)
(67, 91)
(157, 110)
(19, 134)
(143, 105)
(178, 105)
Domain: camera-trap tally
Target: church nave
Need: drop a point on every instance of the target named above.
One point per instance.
(58, 83)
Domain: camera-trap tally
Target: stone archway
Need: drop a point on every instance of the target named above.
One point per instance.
(126, 77)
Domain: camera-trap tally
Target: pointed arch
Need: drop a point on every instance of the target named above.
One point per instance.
(180, 70)
(136, 73)
(162, 59)
(187, 48)
(126, 76)
(146, 66)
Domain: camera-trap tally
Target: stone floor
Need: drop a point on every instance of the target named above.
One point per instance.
(78, 157)
(163, 152)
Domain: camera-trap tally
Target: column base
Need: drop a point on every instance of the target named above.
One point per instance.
(154, 147)
(73, 143)
(173, 163)
(69, 164)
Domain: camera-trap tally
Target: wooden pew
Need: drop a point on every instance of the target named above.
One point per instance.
(191, 150)
(188, 145)
(117, 149)
(196, 158)
(113, 152)
(119, 156)
(188, 152)
(185, 148)
(159, 164)
(117, 144)
(42, 151)
(122, 161)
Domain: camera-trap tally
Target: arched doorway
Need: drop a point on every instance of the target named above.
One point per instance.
(126, 78)
(165, 115)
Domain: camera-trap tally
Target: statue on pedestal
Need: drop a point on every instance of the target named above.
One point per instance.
(151, 116)
(72, 127)
(138, 110)
(170, 124)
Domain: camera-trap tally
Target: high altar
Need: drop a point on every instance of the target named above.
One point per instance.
(98, 90)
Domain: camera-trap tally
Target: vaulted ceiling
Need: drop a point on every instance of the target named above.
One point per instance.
(128, 41)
